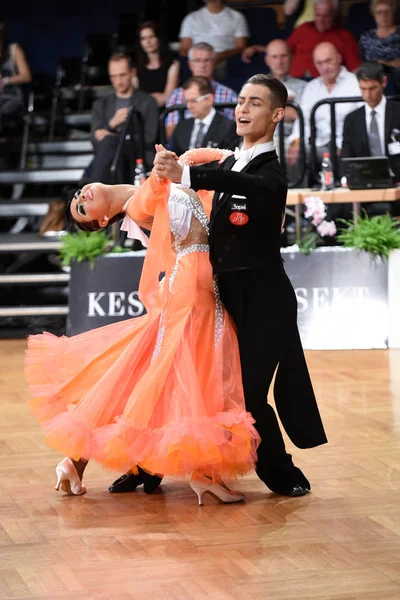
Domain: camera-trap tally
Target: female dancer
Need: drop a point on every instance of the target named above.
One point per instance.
(163, 391)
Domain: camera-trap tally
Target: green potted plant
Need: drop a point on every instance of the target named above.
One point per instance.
(377, 235)
(86, 245)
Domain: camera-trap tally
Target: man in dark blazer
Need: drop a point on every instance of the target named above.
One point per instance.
(109, 114)
(245, 229)
(357, 139)
(206, 127)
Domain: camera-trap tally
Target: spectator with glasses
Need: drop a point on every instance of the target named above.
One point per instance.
(201, 63)
(206, 127)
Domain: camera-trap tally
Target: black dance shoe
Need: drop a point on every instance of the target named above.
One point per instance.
(126, 483)
(286, 481)
(150, 482)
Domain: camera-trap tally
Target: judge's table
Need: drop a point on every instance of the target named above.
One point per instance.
(297, 196)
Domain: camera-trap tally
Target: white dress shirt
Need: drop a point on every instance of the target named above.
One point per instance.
(206, 121)
(380, 119)
(239, 164)
(346, 85)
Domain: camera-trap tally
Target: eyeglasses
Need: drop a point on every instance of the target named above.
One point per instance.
(201, 60)
(196, 100)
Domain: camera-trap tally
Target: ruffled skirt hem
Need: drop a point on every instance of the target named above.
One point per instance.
(220, 445)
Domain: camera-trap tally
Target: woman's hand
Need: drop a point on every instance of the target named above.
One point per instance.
(166, 165)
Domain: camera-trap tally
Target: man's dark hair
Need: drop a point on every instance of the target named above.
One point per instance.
(88, 225)
(202, 83)
(371, 70)
(278, 91)
(117, 56)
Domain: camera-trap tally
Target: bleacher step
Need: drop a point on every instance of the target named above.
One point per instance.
(35, 278)
(20, 242)
(30, 311)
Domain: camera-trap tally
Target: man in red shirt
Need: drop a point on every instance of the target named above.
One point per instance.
(323, 29)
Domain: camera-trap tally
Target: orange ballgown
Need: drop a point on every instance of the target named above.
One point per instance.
(164, 390)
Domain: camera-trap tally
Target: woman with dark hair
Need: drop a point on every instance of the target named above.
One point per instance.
(14, 71)
(158, 394)
(157, 70)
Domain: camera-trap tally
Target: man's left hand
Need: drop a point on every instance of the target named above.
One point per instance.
(166, 165)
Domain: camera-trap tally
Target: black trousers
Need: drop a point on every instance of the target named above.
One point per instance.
(264, 309)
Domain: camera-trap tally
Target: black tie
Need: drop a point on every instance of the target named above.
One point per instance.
(374, 141)
(200, 135)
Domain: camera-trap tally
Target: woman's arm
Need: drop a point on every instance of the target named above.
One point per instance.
(22, 67)
(172, 83)
(143, 204)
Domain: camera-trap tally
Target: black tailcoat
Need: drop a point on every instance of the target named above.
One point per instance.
(261, 300)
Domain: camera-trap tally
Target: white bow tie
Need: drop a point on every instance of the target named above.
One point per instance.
(245, 155)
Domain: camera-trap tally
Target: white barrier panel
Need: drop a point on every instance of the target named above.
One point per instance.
(394, 299)
(342, 296)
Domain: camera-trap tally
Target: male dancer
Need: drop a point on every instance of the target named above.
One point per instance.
(245, 227)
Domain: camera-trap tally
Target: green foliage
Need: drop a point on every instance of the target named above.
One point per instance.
(376, 235)
(308, 242)
(84, 245)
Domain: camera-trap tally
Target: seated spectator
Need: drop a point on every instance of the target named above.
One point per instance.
(224, 28)
(109, 114)
(278, 57)
(383, 43)
(305, 38)
(14, 71)
(334, 81)
(157, 71)
(201, 62)
(370, 130)
(206, 127)
(298, 12)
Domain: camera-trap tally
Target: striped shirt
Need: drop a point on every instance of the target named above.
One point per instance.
(221, 94)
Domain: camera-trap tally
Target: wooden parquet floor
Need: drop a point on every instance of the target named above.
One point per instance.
(341, 542)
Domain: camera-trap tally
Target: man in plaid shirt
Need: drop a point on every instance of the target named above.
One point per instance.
(201, 61)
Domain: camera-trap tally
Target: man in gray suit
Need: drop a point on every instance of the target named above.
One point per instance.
(109, 114)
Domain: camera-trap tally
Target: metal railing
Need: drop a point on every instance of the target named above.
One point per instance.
(333, 148)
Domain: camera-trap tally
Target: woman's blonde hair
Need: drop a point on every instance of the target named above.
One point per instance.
(391, 3)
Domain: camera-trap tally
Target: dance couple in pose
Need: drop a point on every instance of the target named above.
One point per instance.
(183, 389)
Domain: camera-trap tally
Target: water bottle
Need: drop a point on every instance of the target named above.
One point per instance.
(326, 172)
(140, 174)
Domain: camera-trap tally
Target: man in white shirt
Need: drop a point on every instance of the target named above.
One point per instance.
(224, 28)
(334, 81)
(245, 239)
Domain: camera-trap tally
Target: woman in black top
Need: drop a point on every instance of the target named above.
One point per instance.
(157, 70)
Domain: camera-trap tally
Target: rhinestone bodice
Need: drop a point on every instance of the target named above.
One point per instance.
(198, 230)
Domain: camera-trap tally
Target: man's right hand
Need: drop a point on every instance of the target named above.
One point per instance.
(248, 54)
(119, 118)
(100, 134)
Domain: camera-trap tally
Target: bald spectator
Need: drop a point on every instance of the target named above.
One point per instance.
(334, 81)
(323, 29)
